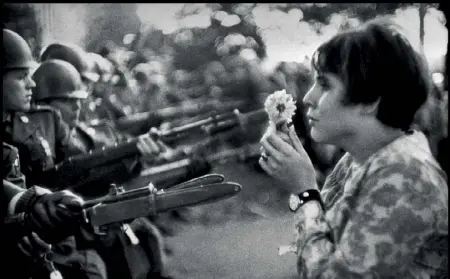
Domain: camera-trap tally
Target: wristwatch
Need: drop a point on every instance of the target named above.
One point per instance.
(296, 201)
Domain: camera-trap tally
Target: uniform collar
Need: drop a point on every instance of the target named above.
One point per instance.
(7, 117)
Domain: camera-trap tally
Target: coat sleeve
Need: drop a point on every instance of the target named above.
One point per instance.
(9, 192)
(62, 135)
(391, 219)
(11, 166)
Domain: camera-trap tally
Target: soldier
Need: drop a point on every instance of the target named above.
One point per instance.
(58, 84)
(18, 128)
(44, 218)
(40, 134)
(76, 56)
(42, 137)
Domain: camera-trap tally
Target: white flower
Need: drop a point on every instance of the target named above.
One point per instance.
(280, 107)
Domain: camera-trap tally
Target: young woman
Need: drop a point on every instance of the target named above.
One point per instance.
(383, 210)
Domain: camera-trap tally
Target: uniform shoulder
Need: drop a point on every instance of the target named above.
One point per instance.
(42, 108)
(9, 150)
(10, 153)
(7, 146)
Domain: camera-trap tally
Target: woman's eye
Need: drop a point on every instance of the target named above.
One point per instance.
(323, 84)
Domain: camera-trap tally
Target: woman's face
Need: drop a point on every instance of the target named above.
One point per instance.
(330, 121)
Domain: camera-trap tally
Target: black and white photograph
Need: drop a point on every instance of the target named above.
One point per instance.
(225, 141)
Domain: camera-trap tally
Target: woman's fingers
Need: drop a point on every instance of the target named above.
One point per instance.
(275, 142)
(296, 143)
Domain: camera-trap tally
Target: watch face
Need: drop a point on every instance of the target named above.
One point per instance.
(294, 202)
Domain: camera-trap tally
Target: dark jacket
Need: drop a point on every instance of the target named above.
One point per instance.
(72, 263)
(11, 166)
(11, 173)
(95, 182)
(42, 139)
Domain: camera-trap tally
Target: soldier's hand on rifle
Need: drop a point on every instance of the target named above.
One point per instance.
(147, 146)
(53, 216)
(33, 245)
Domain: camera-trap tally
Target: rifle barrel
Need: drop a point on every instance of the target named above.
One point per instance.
(72, 167)
(131, 194)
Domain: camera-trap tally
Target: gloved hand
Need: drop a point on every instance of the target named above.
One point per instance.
(32, 246)
(53, 216)
(148, 146)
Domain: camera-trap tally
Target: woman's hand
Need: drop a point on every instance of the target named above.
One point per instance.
(287, 162)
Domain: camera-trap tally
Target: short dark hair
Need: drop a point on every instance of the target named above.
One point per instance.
(376, 62)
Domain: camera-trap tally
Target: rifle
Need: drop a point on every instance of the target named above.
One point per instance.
(77, 168)
(121, 206)
(132, 124)
(194, 165)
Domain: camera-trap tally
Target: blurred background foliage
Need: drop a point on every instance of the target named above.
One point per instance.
(191, 47)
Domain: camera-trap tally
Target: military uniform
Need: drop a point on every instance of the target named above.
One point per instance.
(11, 166)
(71, 262)
(41, 137)
(95, 182)
(58, 80)
(11, 173)
(101, 134)
(130, 261)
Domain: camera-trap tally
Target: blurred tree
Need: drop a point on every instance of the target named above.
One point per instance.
(201, 45)
(195, 47)
(22, 19)
(110, 22)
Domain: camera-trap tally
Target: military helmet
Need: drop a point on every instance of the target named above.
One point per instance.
(73, 54)
(16, 52)
(101, 66)
(57, 79)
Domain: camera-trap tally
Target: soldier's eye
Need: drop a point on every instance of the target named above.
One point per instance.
(25, 75)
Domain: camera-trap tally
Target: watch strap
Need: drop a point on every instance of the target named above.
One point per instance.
(310, 195)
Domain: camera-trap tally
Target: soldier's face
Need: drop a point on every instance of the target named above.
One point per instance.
(69, 108)
(17, 85)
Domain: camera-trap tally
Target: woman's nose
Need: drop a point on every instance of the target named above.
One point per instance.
(308, 99)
